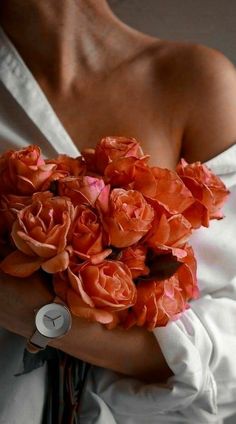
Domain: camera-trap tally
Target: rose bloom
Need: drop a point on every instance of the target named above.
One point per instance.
(157, 303)
(23, 172)
(68, 166)
(134, 257)
(125, 215)
(130, 173)
(187, 275)
(96, 292)
(88, 239)
(161, 187)
(10, 204)
(161, 301)
(207, 188)
(169, 234)
(111, 148)
(40, 235)
(81, 190)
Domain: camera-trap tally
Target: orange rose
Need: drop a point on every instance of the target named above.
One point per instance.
(24, 172)
(125, 215)
(131, 173)
(96, 292)
(187, 275)
(82, 190)
(169, 234)
(40, 235)
(208, 190)
(67, 166)
(169, 191)
(161, 301)
(10, 204)
(161, 187)
(88, 238)
(157, 303)
(134, 257)
(111, 148)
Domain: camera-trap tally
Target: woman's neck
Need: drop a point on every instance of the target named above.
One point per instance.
(60, 39)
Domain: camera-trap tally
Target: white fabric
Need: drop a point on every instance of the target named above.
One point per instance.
(200, 347)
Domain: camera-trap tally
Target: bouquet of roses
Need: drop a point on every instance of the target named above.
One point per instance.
(111, 230)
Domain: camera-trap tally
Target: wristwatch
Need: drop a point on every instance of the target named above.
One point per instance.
(52, 321)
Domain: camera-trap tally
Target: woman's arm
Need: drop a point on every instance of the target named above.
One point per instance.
(210, 93)
(134, 352)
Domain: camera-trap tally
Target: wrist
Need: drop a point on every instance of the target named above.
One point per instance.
(52, 322)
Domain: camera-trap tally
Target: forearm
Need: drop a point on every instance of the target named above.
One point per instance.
(133, 352)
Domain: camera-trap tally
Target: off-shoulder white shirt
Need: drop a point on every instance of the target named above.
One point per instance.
(200, 347)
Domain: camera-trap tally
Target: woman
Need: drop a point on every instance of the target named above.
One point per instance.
(71, 72)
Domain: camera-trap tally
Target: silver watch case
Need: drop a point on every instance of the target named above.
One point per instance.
(52, 321)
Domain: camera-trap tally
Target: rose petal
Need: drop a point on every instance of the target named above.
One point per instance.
(41, 249)
(99, 257)
(19, 242)
(58, 263)
(18, 264)
(82, 310)
(78, 287)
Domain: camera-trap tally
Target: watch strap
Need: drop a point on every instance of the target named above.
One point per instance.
(37, 342)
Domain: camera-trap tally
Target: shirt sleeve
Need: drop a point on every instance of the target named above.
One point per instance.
(200, 347)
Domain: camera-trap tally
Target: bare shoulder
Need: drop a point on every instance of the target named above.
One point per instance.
(202, 81)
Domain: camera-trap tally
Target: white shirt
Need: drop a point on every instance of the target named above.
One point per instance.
(200, 347)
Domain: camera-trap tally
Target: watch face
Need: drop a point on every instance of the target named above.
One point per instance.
(53, 320)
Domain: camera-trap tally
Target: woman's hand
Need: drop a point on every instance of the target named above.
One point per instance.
(18, 300)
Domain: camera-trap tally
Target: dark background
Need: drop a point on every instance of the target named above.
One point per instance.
(209, 22)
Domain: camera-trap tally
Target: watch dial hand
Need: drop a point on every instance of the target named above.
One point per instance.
(54, 319)
(48, 317)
